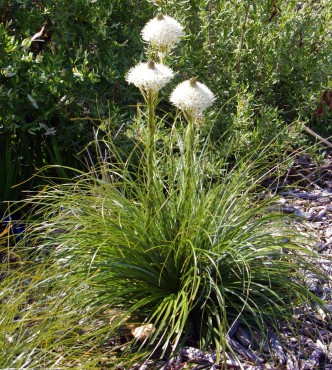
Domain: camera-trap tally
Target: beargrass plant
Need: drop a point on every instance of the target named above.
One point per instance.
(168, 252)
(211, 254)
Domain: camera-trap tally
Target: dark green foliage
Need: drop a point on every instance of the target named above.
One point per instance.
(278, 53)
(55, 86)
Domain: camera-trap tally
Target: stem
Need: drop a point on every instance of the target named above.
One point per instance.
(190, 156)
(320, 138)
(151, 153)
(162, 54)
(212, 69)
(242, 36)
(5, 12)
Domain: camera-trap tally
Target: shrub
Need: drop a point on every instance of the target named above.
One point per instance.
(58, 60)
(274, 55)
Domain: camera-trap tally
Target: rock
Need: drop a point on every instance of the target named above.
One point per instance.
(197, 356)
(259, 342)
(329, 352)
(143, 332)
(306, 215)
(173, 363)
(291, 363)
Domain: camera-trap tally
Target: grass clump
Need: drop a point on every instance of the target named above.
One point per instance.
(210, 254)
(40, 327)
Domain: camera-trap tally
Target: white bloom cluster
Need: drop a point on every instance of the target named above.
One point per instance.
(149, 76)
(192, 97)
(163, 31)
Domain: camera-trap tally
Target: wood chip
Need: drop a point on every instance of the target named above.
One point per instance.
(243, 337)
(277, 348)
(245, 352)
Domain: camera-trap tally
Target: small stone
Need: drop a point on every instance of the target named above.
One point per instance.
(306, 215)
(328, 307)
(291, 363)
(328, 232)
(143, 332)
(313, 361)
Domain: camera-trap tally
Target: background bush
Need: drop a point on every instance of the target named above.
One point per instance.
(50, 87)
(274, 56)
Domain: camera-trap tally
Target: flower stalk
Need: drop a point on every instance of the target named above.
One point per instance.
(152, 99)
(150, 77)
(190, 150)
(192, 98)
(190, 189)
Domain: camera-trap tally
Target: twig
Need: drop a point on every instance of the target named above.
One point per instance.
(309, 181)
(210, 38)
(313, 133)
(243, 32)
(305, 195)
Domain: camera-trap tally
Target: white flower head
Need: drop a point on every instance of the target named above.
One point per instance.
(149, 76)
(163, 31)
(192, 97)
